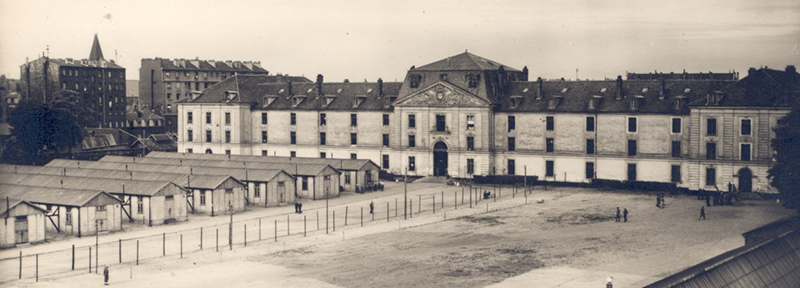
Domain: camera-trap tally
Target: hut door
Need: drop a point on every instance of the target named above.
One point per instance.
(100, 216)
(281, 192)
(326, 181)
(169, 202)
(229, 198)
(367, 177)
(21, 229)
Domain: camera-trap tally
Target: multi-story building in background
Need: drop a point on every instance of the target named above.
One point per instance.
(99, 82)
(466, 115)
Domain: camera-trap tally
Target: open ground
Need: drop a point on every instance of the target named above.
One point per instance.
(569, 240)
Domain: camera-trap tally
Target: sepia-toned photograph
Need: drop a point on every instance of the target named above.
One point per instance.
(352, 143)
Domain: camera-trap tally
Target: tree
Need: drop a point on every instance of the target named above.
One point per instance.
(785, 175)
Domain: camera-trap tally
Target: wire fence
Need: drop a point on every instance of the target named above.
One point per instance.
(243, 232)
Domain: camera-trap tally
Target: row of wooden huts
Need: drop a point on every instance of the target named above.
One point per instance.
(85, 197)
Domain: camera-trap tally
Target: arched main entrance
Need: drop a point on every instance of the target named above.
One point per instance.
(439, 159)
(745, 180)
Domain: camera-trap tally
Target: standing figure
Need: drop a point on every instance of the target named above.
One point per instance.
(300, 208)
(663, 201)
(617, 214)
(658, 200)
(625, 214)
(702, 213)
(105, 275)
(370, 207)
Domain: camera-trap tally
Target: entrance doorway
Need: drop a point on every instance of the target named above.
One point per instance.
(745, 180)
(439, 159)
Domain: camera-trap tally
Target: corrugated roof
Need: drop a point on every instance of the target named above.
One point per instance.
(53, 196)
(14, 202)
(341, 164)
(197, 181)
(464, 62)
(302, 169)
(134, 187)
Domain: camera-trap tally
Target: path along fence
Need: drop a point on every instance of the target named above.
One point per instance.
(91, 258)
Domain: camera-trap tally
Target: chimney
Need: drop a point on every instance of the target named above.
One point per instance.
(663, 92)
(525, 73)
(289, 88)
(380, 87)
(539, 92)
(319, 85)
(620, 93)
(751, 71)
(791, 69)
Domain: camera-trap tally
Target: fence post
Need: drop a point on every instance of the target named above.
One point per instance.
(259, 227)
(304, 225)
(362, 216)
(334, 221)
(181, 246)
(90, 262)
(462, 195)
(120, 250)
(470, 197)
(137, 252)
(419, 209)
(411, 208)
(216, 241)
(245, 235)
(37, 267)
(201, 238)
(346, 211)
(455, 199)
(434, 203)
(164, 244)
(317, 220)
(442, 199)
(287, 226)
(20, 262)
(387, 211)
(487, 206)
(276, 230)
(395, 208)
(73, 257)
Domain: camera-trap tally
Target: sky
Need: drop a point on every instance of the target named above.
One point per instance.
(367, 40)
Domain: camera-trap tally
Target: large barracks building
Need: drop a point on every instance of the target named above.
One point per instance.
(466, 115)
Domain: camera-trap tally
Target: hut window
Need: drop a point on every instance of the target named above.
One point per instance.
(346, 178)
(202, 197)
(68, 218)
(100, 208)
(256, 190)
(140, 205)
(228, 190)
(305, 183)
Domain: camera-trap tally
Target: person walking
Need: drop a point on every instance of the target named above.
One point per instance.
(663, 201)
(299, 208)
(702, 213)
(105, 275)
(658, 200)
(617, 214)
(295, 207)
(625, 214)
(370, 207)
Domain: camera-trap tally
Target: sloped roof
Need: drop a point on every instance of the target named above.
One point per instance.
(464, 62)
(54, 196)
(14, 202)
(341, 164)
(134, 187)
(761, 88)
(85, 63)
(209, 65)
(771, 263)
(574, 96)
(96, 53)
(259, 91)
(301, 169)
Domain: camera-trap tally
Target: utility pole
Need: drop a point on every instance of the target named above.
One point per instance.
(405, 194)
(326, 209)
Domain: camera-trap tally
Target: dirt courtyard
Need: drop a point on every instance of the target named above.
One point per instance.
(570, 240)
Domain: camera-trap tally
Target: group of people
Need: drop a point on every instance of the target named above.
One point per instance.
(298, 207)
(369, 188)
(660, 201)
(624, 214)
(487, 194)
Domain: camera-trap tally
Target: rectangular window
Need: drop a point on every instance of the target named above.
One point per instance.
(550, 145)
(711, 126)
(305, 183)
(512, 144)
(322, 155)
(292, 137)
(470, 122)
(202, 197)
(512, 169)
(68, 219)
(470, 166)
(385, 140)
(746, 128)
(412, 141)
(470, 143)
(227, 136)
(189, 150)
(208, 117)
(256, 190)
(263, 152)
(631, 172)
(711, 151)
(412, 121)
(227, 118)
(189, 117)
(412, 163)
(512, 123)
(293, 118)
(353, 156)
(590, 123)
(263, 136)
(353, 120)
(676, 148)
(589, 146)
(353, 138)
(551, 125)
(385, 119)
(292, 154)
(189, 135)
(323, 119)
(140, 205)
(744, 151)
(208, 136)
(347, 178)
(631, 147)
(321, 138)
(589, 170)
(440, 122)
(711, 177)
(227, 151)
(632, 124)
(549, 169)
(264, 118)
(385, 161)
(676, 126)
(675, 174)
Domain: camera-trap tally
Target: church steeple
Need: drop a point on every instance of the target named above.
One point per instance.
(97, 53)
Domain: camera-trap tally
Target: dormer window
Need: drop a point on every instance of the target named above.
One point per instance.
(443, 77)
(554, 102)
(679, 102)
(414, 80)
(328, 99)
(595, 102)
(229, 95)
(636, 102)
(296, 100)
(515, 101)
(358, 100)
(268, 100)
(472, 80)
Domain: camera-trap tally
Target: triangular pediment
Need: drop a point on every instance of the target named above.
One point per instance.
(442, 94)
